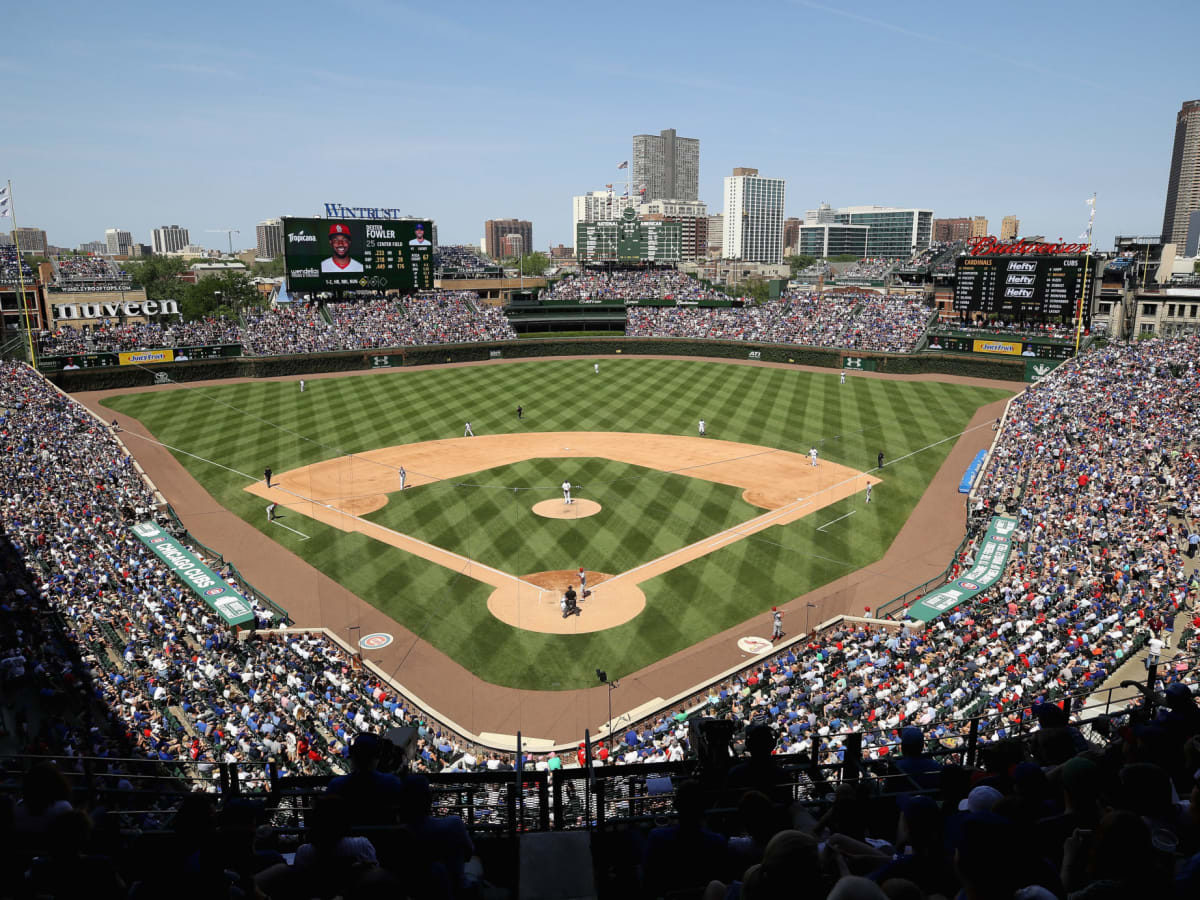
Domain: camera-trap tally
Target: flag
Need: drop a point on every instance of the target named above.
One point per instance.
(1091, 201)
(624, 165)
(608, 186)
(5, 202)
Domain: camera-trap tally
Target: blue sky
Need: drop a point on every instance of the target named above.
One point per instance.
(217, 116)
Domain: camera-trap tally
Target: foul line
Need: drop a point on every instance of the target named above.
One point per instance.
(292, 530)
(838, 519)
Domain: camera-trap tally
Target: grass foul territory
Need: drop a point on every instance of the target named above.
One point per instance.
(486, 516)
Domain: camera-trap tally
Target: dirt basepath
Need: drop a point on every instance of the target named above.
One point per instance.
(338, 491)
(920, 551)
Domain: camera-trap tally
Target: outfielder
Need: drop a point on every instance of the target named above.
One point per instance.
(843, 381)
(302, 385)
(467, 432)
(812, 454)
(403, 477)
(566, 489)
(596, 368)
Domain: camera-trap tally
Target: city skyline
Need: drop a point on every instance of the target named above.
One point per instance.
(221, 123)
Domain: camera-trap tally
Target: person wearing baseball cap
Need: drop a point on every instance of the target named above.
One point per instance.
(420, 240)
(339, 243)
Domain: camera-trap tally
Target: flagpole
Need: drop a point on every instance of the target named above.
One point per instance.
(12, 209)
(1086, 262)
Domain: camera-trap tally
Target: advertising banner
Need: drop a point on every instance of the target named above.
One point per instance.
(138, 357)
(204, 582)
(990, 560)
(1012, 348)
(1037, 369)
(335, 255)
(968, 479)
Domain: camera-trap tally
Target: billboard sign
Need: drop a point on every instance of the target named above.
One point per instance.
(338, 255)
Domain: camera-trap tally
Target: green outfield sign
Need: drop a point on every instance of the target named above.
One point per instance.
(988, 568)
(204, 582)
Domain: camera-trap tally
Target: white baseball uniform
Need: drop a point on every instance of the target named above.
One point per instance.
(467, 432)
(701, 428)
(403, 477)
(302, 385)
(868, 492)
(843, 378)
(812, 454)
(566, 489)
(596, 368)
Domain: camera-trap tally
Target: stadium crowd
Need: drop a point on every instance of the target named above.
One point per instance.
(1097, 463)
(619, 286)
(1023, 329)
(850, 320)
(461, 259)
(13, 267)
(112, 337)
(870, 269)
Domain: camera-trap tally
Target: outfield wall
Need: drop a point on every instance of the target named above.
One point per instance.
(362, 360)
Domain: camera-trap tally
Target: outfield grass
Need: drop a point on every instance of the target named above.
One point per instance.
(242, 427)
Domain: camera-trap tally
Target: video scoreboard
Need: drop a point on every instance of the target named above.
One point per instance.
(337, 255)
(1020, 287)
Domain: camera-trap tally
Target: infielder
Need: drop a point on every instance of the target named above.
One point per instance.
(302, 385)
(403, 477)
(566, 489)
(777, 622)
(467, 432)
(868, 492)
(271, 511)
(812, 454)
(701, 428)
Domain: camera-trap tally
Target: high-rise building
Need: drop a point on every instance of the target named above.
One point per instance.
(118, 242)
(169, 239)
(692, 216)
(825, 240)
(979, 226)
(93, 248)
(1183, 184)
(496, 230)
(666, 166)
(269, 238)
(1010, 227)
(891, 231)
(716, 234)
(753, 217)
(946, 230)
(791, 233)
(31, 241)
(598, 206)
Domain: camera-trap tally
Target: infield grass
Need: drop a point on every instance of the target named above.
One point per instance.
(245, 427)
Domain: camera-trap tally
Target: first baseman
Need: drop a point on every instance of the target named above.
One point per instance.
(271, 511)
(403, 477)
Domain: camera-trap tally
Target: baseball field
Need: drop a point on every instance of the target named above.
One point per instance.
(681, 536)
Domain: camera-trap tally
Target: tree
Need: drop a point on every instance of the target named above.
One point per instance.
(1196, 267)
(158, 276)
(226, 294)
(272, 268)
(799, 262)
(757, 289)
(535, 264)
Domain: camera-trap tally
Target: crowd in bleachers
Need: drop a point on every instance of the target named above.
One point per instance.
(619, 286)
(461, 259)
(88, 268)
(1024, 329)
(112, 337)
(819, 269)
(850, 320)
(870, 269)
(183, 687)
(11, 271)
(1100, 465)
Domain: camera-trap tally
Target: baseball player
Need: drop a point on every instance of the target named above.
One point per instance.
(566, 489)
(843, 381)
(467, 432)
(596, 368)
(403, 477)
(812, 454)
(271, 511)
(701, 428)
(302, 385)
(582, 582)
(267, 475)
(777, 623)
(868, 492)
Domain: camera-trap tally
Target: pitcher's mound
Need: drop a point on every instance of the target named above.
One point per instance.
(576, 509)
(609, 603)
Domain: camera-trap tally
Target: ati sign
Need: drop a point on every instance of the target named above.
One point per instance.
(115, 310)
